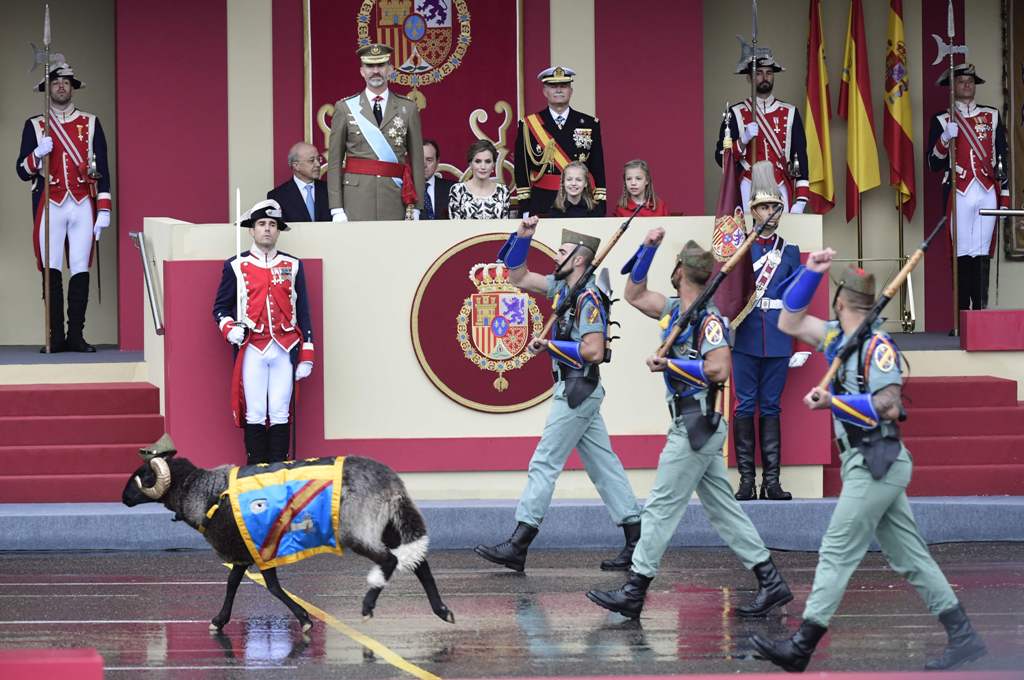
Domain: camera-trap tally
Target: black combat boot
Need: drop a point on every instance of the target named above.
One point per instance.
(78, 300)
(794, 653)
(771, 459)
(510, 553)
(624, 559)
(56, 311)
(983, 268)
(743, 437)
(277, 449)
(964, 643)
(257, 439)
(772, 591)
(627, 600)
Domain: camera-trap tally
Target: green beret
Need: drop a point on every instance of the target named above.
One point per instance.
(696, 258)
(858, 280)
(578, 239)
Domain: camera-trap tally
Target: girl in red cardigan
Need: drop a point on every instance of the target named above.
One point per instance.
(638, 188)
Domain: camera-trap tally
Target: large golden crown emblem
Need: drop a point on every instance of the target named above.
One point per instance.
(496, 323)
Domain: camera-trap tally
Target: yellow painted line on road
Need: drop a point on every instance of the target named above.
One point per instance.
(379, 649)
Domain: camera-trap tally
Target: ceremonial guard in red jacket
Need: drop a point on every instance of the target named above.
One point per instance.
(272, 331)
(776, 132)
(79, 200)
(981, 180)
(551, 139)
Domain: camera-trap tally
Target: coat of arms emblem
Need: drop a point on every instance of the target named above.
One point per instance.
(728, 235)
(430, 38)
(496, 323)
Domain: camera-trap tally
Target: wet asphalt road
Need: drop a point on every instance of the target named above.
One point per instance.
(147, 614)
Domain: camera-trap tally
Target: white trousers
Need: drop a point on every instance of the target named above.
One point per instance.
(267, 380)
(745, 193)
(71, 221)
(974, 231)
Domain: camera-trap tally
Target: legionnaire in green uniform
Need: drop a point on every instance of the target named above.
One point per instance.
(866, 404)
(697, 364)
(575, 420)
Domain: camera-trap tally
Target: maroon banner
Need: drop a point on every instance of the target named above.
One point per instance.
(451, 56)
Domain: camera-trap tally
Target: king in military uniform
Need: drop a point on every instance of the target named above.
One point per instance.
(79, 200)
(760, 358)
(551, 139)
(696, 365)
(866, 403)
(375, 164)
(273, 333)
(981, 152)
(575, 421)
(773, 133)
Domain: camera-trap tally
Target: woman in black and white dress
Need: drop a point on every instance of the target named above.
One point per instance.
(480, 196)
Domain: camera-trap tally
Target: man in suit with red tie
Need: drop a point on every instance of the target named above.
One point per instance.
(303, 198)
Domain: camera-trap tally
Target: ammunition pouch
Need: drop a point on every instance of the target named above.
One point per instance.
(880, 446)
(580, 383)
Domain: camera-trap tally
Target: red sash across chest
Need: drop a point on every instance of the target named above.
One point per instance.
(69, 159)
(268, 295)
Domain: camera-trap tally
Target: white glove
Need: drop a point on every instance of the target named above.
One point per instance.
(416, 213)
(748, 132)
(236, 335)
(102, 222)
(798, 207)
(952, 130)
(303, 370)
(526, 214)
(45, 147)
(338, 215)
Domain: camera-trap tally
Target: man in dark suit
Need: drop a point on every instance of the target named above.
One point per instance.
(435, 187)
(303, 198)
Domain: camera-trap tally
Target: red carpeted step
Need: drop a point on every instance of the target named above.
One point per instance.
(946, 480)
(104, 429)
(952, 391)
(79, 399)
(105, 488)
(70, 459)
(962, 421)
(1000, 449)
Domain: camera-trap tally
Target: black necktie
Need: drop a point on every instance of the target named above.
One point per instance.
(428, 205)
(377, 113)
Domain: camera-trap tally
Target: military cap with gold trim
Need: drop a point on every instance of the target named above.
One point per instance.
(763, 187)
(693, 257)
(577, 239)
(374, 53)
(554, 75)
(857, 280)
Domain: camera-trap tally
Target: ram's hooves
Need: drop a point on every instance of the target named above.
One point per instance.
(214, 628)
(367, 616)
(307, 626)
(445, 614)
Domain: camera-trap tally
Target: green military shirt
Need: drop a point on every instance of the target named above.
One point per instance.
(712, 334)
(589, 314)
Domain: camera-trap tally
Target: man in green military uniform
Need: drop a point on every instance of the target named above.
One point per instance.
(575, 420)
(375, 164)
(866, 403)
(699, 361)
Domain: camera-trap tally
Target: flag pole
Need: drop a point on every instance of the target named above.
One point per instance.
(950, 33)
(860, 234)
(46, 182)
(902, 257)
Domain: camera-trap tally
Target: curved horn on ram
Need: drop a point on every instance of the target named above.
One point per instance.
(163, 479)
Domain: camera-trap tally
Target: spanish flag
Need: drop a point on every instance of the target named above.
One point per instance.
(898, 129)
(818, 113)
(855, 107)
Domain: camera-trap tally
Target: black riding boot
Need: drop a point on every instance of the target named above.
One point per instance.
(964, 643)
(792, 654)
(627, 600)
(257, 438)
(983, 268)
(624, 559)
(743, 436)
(78, 300)
(56, 311)
(510, 553)
(771, 459)
(772, 591)
(964, 279)
(278, 436)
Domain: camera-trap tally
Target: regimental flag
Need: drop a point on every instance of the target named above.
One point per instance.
(737, 290)
(898, 131)
(818, 113)
(855, 106)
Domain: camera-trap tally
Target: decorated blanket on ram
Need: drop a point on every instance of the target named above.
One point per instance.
(287, 511)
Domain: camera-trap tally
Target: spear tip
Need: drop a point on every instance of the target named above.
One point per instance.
(46, 26)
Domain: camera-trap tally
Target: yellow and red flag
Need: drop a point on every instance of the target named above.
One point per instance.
(898, 131)
(818, 113)
(855, 106)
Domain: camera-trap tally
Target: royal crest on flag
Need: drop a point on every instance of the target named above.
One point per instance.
(430, 38)
(728, 235)
(495, 323)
